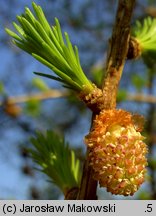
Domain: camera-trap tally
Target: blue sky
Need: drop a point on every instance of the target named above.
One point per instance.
(13, 184)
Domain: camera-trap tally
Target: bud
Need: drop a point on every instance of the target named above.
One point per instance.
(12, 109)
(117, 152)
(134, 50)
(93, 99)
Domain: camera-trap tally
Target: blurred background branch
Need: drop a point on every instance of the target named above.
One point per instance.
(54, 93)
(49, 94)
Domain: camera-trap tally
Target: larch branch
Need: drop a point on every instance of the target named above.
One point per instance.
(114, 66)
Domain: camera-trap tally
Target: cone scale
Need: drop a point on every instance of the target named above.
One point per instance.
(117, 152)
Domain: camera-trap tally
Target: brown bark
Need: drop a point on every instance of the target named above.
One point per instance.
(118, 52)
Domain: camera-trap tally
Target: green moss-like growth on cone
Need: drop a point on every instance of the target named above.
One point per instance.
(46, 44)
